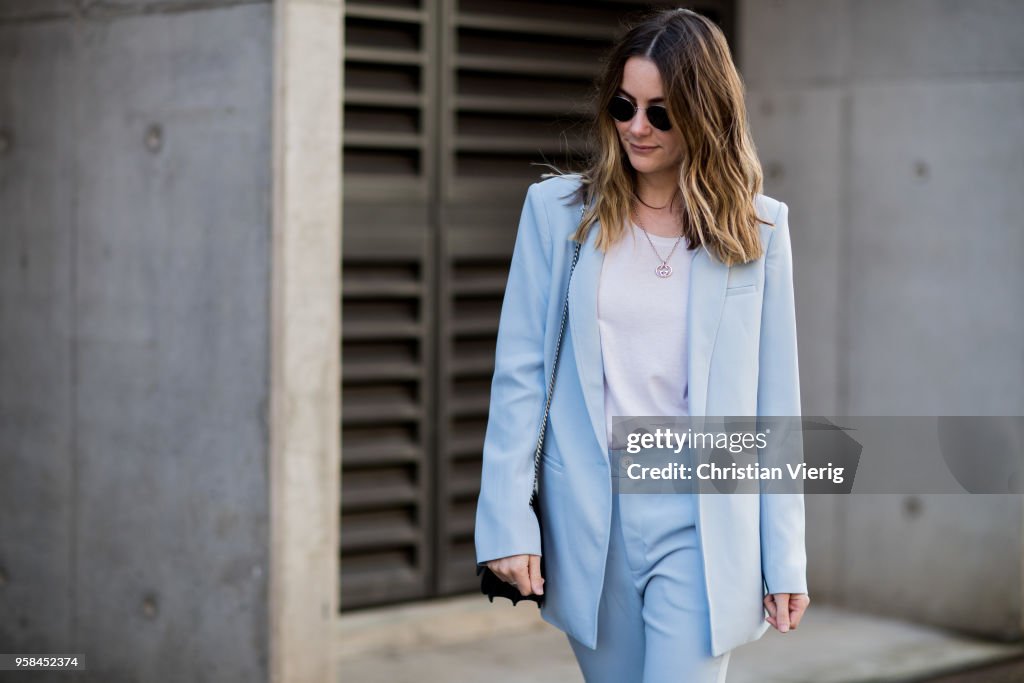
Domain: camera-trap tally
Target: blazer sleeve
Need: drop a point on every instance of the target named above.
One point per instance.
(783, 552)
(505, 522)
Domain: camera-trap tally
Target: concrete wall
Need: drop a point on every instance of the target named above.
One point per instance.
(135, 229)
(895, 132)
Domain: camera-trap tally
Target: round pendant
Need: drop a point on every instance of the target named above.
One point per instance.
(664, 270)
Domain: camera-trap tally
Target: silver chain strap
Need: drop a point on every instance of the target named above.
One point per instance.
(554, 369)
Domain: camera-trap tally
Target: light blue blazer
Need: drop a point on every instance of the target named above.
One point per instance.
(742, 361)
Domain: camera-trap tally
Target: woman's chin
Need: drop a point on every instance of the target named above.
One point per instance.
(644, 166)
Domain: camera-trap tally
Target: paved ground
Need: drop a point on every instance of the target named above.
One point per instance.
(831, 646)
(1008, 672)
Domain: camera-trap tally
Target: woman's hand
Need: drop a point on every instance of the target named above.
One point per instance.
(786, 609)
(522, 571)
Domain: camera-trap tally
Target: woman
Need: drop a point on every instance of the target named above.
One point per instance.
(653, 587)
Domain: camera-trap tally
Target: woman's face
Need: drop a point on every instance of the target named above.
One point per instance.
(651, 151)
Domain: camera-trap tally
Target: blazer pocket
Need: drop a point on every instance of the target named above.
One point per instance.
(740, 289)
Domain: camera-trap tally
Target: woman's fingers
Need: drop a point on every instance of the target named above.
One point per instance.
(786, 610)
(797, 606)
(782, 611)
(769, 604)
(521, 570)
(504, 569)
(521, 575)
(536, 580)
(773, 610)
(501, 569)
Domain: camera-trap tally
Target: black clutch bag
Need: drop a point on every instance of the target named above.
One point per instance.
(490, 584)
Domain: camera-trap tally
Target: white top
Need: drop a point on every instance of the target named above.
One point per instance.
(642, 321)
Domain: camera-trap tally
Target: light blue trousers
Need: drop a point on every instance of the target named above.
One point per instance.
(653, 624)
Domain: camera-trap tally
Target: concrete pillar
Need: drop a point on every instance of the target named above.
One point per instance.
(305, 423)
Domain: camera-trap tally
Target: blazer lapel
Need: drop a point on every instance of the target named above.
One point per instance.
(586, 336)
(708, 280)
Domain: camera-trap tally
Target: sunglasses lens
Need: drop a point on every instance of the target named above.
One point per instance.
(621, 109)
(658, 116)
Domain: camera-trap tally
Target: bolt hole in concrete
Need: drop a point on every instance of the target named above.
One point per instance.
(154, 138)
(149, 606)
(912, 507)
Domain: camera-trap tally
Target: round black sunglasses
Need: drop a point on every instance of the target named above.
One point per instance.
(621, 109)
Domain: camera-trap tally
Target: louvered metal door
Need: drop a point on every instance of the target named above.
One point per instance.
(446, 104)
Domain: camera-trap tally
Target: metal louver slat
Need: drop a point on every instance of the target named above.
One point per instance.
(384, 12)
(468, 439)
(366, 371)
(537, 25)
(369, 496)
(473, 359)
(382, 454)
(377, 531)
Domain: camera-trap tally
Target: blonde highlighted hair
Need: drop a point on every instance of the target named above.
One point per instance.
(720, 175)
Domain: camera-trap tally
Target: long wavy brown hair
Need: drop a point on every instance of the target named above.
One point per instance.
(704, 94)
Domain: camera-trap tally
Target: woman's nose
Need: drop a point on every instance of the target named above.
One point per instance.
(638, 124)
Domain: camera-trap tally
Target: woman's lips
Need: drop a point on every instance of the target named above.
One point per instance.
(641, 150)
